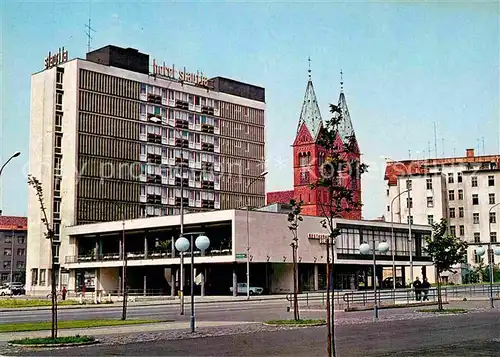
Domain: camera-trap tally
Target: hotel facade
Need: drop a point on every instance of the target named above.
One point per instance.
(113, 138)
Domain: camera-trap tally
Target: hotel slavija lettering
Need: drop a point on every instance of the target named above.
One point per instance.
(194, 78)
(57, 58)
(322, 237)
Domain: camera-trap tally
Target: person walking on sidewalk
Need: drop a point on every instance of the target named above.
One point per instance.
(417, 285)
(425, 289)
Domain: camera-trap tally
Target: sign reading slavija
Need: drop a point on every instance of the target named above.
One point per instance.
(55, 59)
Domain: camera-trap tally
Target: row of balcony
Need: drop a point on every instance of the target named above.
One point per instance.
(178, 142)
(171, 201)
(181, 104)
(156, 254)
(179, 162)
(176, 181)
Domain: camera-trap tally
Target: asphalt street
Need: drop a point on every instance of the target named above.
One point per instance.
(464, 335)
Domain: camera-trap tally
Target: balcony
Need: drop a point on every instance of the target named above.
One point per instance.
(155, 199)
(207, 204)
(183, 162)
(185, 202)
(209, 185)
(154, 98)
(181, 104)
(207, 128)
(154, 118)
(151, 178)
(207, 110)
(207, 165)
(185, 182)
(154, 159)
(207, 147)
(181, 124)
(183, 143)
(154, 138)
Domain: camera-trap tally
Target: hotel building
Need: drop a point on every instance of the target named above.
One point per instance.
(113, 138)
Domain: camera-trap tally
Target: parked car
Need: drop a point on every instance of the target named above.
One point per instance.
(18, 289)
(388, 283)
(241, 289)
(5, 290)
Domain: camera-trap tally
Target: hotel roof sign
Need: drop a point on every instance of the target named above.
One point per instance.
(56, 59)
(197, 79)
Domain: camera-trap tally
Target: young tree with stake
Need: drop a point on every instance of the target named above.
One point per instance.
(445, 250)
(339, 178)
(49, 234)
(294, 218)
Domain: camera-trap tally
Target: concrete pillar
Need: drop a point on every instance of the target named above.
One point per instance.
(235, 281)
(203, 272)
(172, 281)
(120, 253)
(316, 277)
(145, 246)
(145, 285)
(173, 247)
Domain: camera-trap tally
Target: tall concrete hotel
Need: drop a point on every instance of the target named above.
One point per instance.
(115, 137)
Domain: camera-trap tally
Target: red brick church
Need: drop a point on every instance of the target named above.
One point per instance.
(308, 156)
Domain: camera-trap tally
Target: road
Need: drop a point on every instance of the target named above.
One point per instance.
(467, 335)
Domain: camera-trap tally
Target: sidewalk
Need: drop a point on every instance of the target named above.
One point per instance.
(115, 330)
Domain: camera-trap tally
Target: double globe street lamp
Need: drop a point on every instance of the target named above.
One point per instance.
(365, 249)
(491, 252)
(182, 245)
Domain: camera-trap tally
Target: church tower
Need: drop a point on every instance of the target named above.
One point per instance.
(308, 155)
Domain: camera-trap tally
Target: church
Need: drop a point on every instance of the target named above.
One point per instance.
(309, 155)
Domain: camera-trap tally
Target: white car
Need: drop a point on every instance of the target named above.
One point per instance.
(5, 290)
(241, 289)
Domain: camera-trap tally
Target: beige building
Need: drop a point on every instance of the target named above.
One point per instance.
(116, 137)
(463, 190)
(94, 256)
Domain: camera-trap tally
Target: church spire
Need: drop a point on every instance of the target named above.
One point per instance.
(346, 130)
(310, 114)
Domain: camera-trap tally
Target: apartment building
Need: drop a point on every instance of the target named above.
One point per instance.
(464, 190)
(115, 137)
(12, 249)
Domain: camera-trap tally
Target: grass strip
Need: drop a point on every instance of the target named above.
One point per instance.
(53, 341)
(40, 326)
(445, 311)
(19, 303)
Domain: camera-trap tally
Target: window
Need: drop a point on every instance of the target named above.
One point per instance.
(8, 239)
(462, 231)
(429, 183)
(460, 195)
(409, 219)
(59, 77)
(460, 212)
(452, 212)
(387, 192)
(493, 237)
(493, 217)
(20, 265)
(4, 277)
(491, 180)
(450, 178)
(6, 264)
(21, 252)
(491, 198)
(7, 251)
(430, 202)
(475, 199)
(451, 195)
(430, 219)
(388, 208)
(59, 97)
(21, 240)
(475, 218)
(453, 231)
(477, 237)
(409, 202)
(474, 181)
(34, 276)
(408, 184)
(459, 177)
(42, 276)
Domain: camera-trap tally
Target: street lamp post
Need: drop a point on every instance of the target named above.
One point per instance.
(393, 240)
(365, 249)
(491, 255)
(124, 273)
(248, 231)
(182, 245)
(16, 154)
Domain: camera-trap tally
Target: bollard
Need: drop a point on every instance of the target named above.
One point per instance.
(81, 298)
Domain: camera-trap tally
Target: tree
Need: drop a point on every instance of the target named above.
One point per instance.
(445, 250)
(49, 234)
(339, 177)
(294, 218)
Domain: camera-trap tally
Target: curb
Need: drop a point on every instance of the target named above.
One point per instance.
(386, 307)
(55, 345)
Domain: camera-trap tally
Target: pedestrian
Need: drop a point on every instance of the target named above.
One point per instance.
(417, 285)
(64, 292)
(425, 289)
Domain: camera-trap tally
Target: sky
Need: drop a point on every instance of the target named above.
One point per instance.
(407, 67)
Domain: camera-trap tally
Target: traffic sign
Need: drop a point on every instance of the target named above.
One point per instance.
(241, 255)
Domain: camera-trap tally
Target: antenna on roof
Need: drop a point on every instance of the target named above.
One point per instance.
(484, 151)
(429, 149)
(435, 141)
(409, 154)
(88, 28)
(442, 141)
